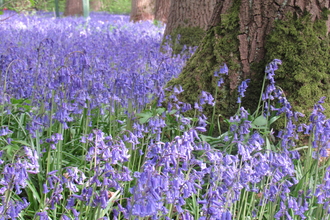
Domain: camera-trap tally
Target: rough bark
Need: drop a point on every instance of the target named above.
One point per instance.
(189, 13)
(162, 10)
(246, 35)
(73, 7)
(142, 10)
(257, 21)
(187, 22)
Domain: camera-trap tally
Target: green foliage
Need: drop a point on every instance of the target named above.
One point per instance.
(157, 23)
(219, 45)
(113, 6)
(29, 5)
(117, 6)
(189, 36)
(304, 48)
(300, 43)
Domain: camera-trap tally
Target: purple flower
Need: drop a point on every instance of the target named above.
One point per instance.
(242, 88)
(42, 215)
(206, 98)
(5, 131)
(223, 69)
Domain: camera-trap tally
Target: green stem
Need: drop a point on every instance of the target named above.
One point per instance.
(260, 98)
(213, 113)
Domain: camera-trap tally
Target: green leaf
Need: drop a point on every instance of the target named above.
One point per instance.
(268, 146)
(260, 121)
(212, 140)
(300, 148)
(16, 101)
(32, 3)
(160, 110)
(115, 196)
(11, 149)
(144, 117)
(1, 12)
(273, 119)
(257, 127)
(34, 194)
(206, 138)
(173, 112)
(21, 142)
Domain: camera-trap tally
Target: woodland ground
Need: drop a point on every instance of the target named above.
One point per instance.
(83, 134)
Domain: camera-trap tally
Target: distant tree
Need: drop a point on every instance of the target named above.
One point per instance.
(162, 10)
(142, 10)
(96, 5)
(73, 7)
(77, 7)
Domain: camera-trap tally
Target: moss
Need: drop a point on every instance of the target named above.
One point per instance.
(302, 45)
(325, 13)
(219, 45)
(304, 48)
(189, 36)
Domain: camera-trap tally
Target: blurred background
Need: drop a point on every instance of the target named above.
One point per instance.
(111, 6)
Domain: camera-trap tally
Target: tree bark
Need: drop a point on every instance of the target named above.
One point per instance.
(189, 13)
(73, 7)
(246, 35)
(96, 5)
(142, 10)
(162, 10)
(257, 21)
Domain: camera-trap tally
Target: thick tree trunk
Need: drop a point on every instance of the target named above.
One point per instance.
(142, 10)
(73, 7)
(162, 10)
(189, 13)
(188, 19)
(246, 35)
(257, 21)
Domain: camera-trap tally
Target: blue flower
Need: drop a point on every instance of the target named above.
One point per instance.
(224, 69)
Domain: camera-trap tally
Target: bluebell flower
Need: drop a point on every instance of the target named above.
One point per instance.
(220, 82)
(224, 69)
(5, 131)
(242, 88)
(42, 215)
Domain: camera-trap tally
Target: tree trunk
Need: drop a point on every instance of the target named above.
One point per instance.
(96, 5)
(162, 10)
(73, 7)
(142, 10)
(189, 13)
(246, 35)
(188, 19)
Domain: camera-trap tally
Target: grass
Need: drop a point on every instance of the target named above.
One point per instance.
(79, 138)
(118, 7)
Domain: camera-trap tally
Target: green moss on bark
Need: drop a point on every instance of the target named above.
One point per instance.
(302, 44)
(304, 48)
(189, 36)
(219, 45)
